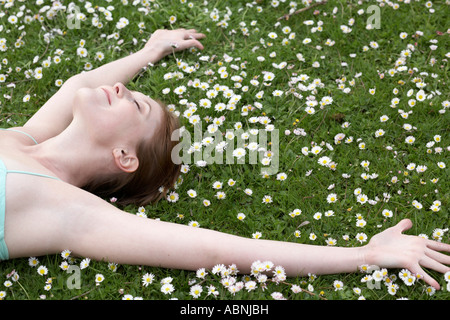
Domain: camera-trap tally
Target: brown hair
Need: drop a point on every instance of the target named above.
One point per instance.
(156, 173)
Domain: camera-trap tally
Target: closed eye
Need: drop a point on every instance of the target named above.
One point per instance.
(137, 104)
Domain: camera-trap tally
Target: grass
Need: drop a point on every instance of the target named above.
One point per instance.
(351, 62)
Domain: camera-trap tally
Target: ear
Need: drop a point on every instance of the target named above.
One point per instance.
(125, 161)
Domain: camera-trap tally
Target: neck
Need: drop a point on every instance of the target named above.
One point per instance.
(72, 157)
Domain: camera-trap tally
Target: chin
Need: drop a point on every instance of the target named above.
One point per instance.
(88, 107)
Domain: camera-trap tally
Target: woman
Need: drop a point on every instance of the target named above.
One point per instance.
(92, 135)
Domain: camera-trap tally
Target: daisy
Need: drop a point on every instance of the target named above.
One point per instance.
(387, 213)
(220, 195)
(212, 291)
(295, 213)
(362, 198)
(281, 176)
(147, 279)
(99, 278)
(361, 223)
(338, 285)
(192, 193)
(33, 261)
(317, 215)
(217, 185)
(195, 291)
(250, 285)
(239, 153)
(417, 204)
(272, 35)
(409, 280)
(403, 35)
(331, 242)
(12, 19)
(331, 198)
(194, 224)
(167, 288)
(447, 276)
(361, 237)
(42, 270)
(420, 95)
(441, 165)
(241, 216)
(85, 263)
(430, 290)
(374, 45)
(437, 234)
(201, 273)
(324, 161)
(172, 197)
(377, 275)
(112, 266)
(392, 289)
(172, 19)
(316, 150)
(267, 199)
(218, 268)
(269, 76)
(256, 235)
(82, 52)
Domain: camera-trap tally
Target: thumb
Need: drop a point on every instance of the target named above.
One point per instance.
(403, 225)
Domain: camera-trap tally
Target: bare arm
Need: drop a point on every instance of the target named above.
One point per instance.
(59, 216)
(56, 114)
(125, 238)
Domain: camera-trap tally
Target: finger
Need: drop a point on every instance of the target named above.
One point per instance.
(433, 265)
(438, 246)
(194, 35)
(418, 271)
(439, 257)
(199, 35)
(193, 31)
(440, 261)
(189, 44)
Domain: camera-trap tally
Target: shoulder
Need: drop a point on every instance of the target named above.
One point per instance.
(51, 197)
(21, 135)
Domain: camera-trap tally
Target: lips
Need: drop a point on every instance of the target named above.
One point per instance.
(107, 96)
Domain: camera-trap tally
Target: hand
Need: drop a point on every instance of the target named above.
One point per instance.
(392, 249)
(165, 42)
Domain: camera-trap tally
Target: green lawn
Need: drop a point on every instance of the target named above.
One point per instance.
(371, 101)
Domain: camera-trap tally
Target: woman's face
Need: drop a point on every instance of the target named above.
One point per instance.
(117, 115)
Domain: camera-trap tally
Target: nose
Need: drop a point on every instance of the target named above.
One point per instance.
(121, 90)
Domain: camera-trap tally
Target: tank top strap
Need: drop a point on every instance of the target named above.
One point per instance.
(32, 174)
(27, 134)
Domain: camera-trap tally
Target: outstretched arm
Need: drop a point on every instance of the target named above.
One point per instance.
(125, 238)
(56, 114)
